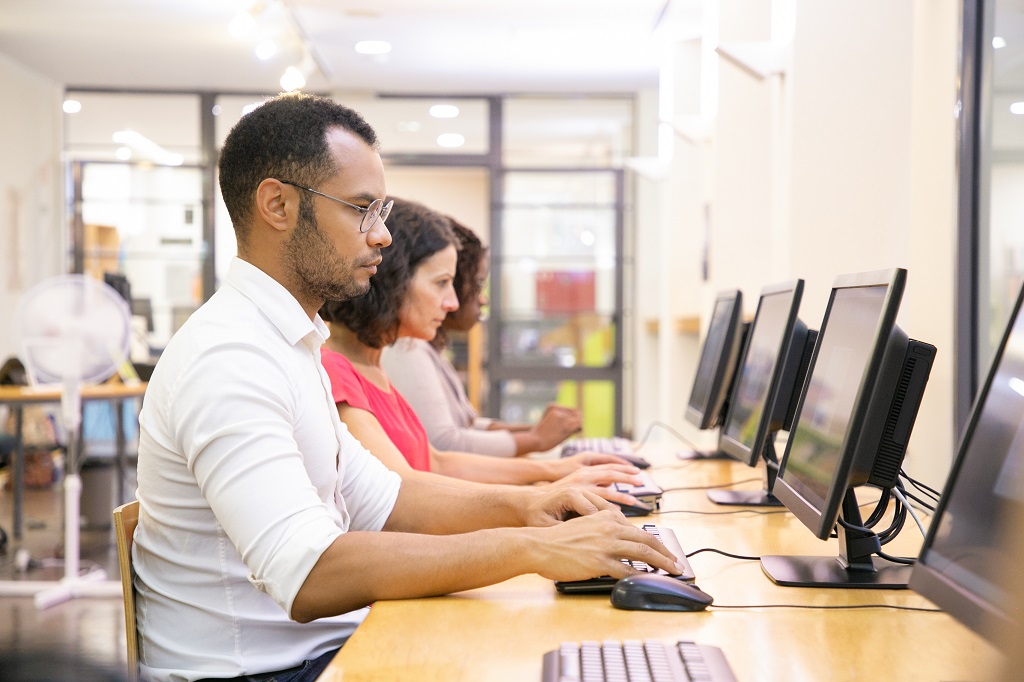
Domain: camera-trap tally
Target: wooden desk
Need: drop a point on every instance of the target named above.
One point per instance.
(501, 632)
(17, 397)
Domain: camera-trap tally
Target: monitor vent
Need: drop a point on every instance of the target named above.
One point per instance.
(890, 452)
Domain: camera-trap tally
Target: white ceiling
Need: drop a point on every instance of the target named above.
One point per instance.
(439, 46)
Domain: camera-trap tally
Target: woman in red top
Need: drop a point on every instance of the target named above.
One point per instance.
(410, 295)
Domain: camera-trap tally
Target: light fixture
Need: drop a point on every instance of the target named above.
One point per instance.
(265, 50)
(444, 111)
(292, 79)
(373, 47)
(450, 140)
(409, 126)
(123, 153)
(147, 148)
(1017, 108)
(72, 106)
(998, 42)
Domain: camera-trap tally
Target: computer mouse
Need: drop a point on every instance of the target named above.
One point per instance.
(656, 592)
(636, 460)
(638, 509)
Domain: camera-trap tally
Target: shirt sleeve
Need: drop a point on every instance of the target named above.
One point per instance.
(345, 385)
(421, 382)
(248, 465)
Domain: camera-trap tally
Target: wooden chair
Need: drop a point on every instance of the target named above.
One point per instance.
(126, 517)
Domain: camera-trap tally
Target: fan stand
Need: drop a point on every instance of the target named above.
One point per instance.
(49, 593)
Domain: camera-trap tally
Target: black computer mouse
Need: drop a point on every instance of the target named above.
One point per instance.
(636, 460)
(638, 509)
(656, 592)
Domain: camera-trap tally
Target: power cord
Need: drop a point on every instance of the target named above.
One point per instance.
(723, 553)
(650, 427)
(824, 606)
(720, 513)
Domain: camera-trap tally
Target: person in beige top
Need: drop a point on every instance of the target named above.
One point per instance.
(423, 374)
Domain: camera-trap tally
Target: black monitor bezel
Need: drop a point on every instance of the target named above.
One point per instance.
(981, 616)
(822, 521)
(730, 446)
(707, 416)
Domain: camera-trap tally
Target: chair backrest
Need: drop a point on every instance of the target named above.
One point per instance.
(126, 517)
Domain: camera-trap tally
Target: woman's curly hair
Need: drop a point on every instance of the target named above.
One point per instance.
(417, 233)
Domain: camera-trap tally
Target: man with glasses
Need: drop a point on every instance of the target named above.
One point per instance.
(265, 528)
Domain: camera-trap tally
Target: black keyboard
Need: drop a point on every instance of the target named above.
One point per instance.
(633, 660)
(648, 491)
(605, 583)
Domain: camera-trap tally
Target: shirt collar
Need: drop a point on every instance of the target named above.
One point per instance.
(277, 303)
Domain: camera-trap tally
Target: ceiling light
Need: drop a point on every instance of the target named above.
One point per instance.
(72, 106)
(149, 149)
(998, 42)
(123, 153)
(450, 140)
(409, 126)
(266, 49)
(216, 109)
(1017, 108)
(444, 111)
(292, 79)
(252, 106)
(373, 47)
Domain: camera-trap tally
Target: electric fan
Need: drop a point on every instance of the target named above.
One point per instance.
(70, 330)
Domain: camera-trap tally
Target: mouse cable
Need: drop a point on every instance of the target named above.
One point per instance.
(719, 513)
(718, 551)
(905, 560)
(923, 503)
(650, 427)
(824, 606)
(708, 487)
(913, 514)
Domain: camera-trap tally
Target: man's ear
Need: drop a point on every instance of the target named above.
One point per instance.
(277, 205)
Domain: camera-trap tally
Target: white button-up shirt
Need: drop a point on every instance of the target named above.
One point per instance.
(246, 476)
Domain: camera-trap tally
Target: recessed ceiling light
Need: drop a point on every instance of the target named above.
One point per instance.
(444, 111)
(72, 106)
(124, 153)
(998, 42)
(266, 49)
(373, 47)
(450, 140)
(1017, 108)
(292, 79)
(242, 25)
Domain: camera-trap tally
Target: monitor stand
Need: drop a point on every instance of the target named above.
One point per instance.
(855, 567)
(704, 455)
(754, 498)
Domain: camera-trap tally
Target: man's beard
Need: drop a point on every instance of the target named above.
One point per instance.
(317, 266)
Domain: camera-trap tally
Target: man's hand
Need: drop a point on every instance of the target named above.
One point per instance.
(565, 466)
(599, 479)
(549, 505)
(555, 425)
(594, 545)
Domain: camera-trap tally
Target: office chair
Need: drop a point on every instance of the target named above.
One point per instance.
(126, 517)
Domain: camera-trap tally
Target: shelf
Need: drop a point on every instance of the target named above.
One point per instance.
(689, 324)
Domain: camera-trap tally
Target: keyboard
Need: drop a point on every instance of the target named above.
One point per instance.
(623, 447)
(605, 583)
(633, 660)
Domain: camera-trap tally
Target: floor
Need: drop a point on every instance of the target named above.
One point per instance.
(88, 629)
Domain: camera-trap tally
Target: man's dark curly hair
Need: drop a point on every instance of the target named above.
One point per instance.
(284, 138)
(417, 233)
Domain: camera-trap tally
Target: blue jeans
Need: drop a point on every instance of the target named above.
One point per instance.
(307, 672)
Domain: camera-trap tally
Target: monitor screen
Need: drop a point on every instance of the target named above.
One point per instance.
(964, 559)
(717, 362)
(853, 422)
(768, 371)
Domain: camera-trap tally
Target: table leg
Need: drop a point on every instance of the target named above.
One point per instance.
(120, 451)
(19, 469)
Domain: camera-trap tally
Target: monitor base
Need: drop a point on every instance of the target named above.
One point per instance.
(748, 498)
(710, 455)
(825, 571)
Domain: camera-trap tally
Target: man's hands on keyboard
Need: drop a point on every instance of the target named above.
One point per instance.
(564, 466)
(595, 545)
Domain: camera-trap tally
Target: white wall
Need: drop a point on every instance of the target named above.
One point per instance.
(843, 163)
(32, 235)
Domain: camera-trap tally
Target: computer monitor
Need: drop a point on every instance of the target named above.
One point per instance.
(851, 429)
(771, 371)
(966, 556)
(716, 367)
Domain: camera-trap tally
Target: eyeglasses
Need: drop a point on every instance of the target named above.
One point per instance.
(376, 210)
